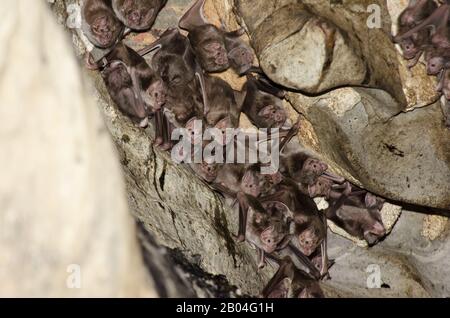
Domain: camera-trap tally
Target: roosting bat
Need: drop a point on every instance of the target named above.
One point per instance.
(99, 23)
(268, 231)
(138, 15)
(175, 62)
(413, 45)
(132, 84)
(262, 105)
(359, 215)
(302, 168)
(216, 49)
(439, 43)
(223, 110)
(291, 282)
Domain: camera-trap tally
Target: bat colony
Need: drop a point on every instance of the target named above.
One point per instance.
(277, 213)
(424, 30)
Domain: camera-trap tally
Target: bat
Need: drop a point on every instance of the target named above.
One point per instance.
(262, 105)
(99, 23)
(302, 168)
(216, 49)
(291, 282)
(223, 110)
(132, 84)
(413, 45)
(359, 215)
(174, 61)
(138, 15)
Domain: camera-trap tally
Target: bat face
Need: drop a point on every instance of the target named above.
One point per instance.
(241, 59)
(272, 116)
(250, 184)
(158, 92)
(195, 136)
(309, 240)
(120, 87)
(409, 48)
(207, 171)
(137, 14)
(211, 52)
(272, 236)
(321, 188)
(173, 70)
(374, 232)
(105, 29)
(435, 64)
(222, 125)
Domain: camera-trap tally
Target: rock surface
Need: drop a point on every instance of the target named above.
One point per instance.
(65, 228)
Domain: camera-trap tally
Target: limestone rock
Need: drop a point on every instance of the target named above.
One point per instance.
(65, 230)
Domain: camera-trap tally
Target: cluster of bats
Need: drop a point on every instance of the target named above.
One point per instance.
(277, 213)
(424, 30)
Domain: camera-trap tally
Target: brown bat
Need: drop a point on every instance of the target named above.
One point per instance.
(437, 60)
(309, 227)
(223, 110)
(262, 105)
(138, 15)
(302, 168)
(291, 282)
(99, 23)
(437, 22)
(310, 224)
(267, 231)
(413, 45)
(175, 63)
(132, 84)
(245, 178)
(216, 49)
(359, 215)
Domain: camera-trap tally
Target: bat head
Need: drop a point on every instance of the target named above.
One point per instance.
(241, 59)
(409, 48)
(309, 238)
(105, 29)
(272, 116)
(321, 188)
(272, 236)
(208, 171)
(250, 184)
(138, 14)
(374, 232)
(222, 125)
(435, 64)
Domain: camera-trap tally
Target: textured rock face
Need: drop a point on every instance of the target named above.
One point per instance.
(317, 45)
(65, 228)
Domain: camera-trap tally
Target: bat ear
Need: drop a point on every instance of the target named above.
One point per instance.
(370, 200)
(193, 17)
